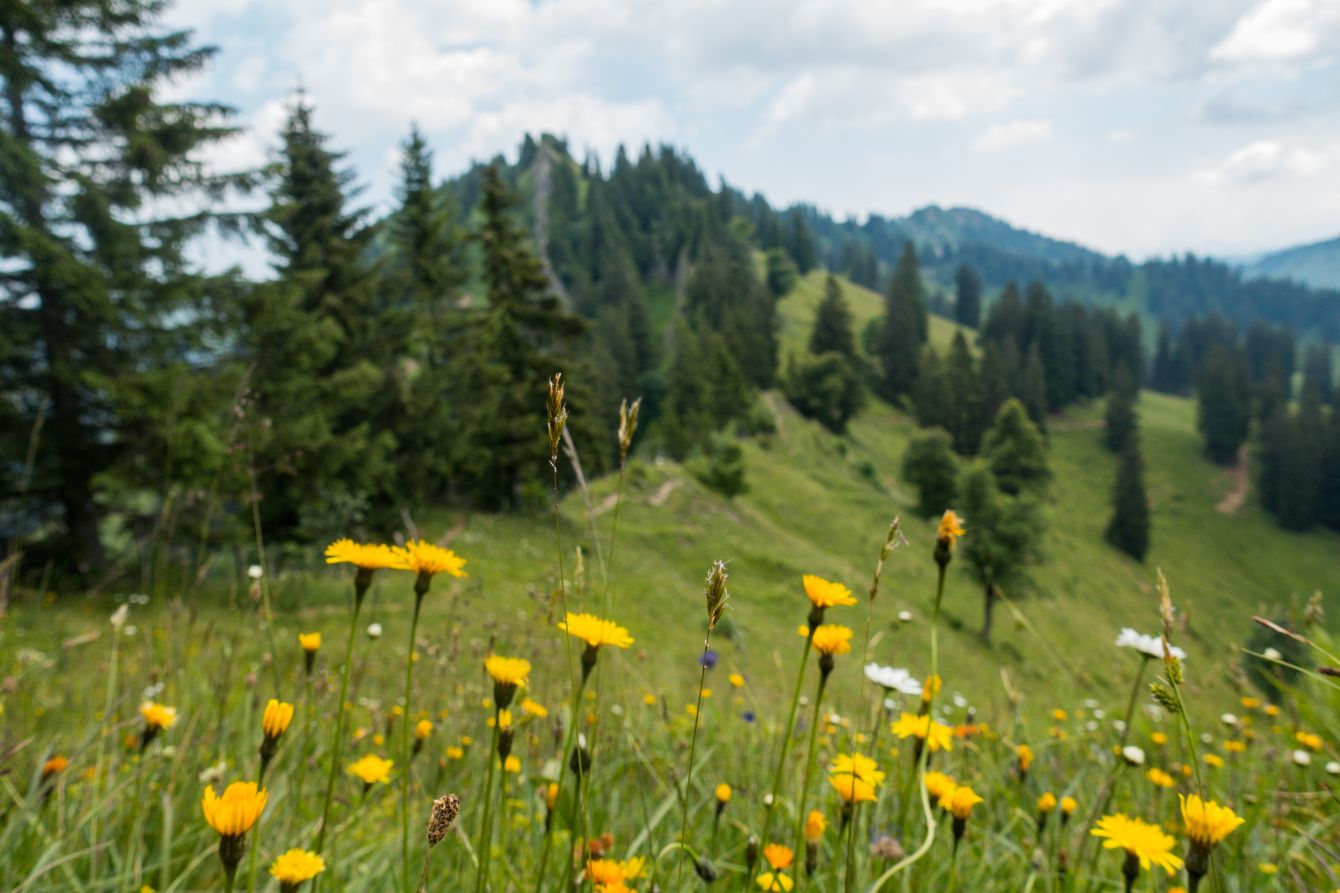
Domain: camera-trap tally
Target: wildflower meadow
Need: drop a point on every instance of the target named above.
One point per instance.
(170, 752)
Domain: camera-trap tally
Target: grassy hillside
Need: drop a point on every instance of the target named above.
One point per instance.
(821, 504)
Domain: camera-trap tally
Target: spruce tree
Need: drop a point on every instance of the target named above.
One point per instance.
(1223, 404)
(824, 387)
(962, 397)
(967, 296)
(902, 330)
(106, 329)
(832, 330)
(1128, 529)
(1006, 535)
(1016, 452)
(929, 466)
(316, 350)
(1119, 419)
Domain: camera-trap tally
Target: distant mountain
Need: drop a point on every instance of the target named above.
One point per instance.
(1317, 265)
(938, 230)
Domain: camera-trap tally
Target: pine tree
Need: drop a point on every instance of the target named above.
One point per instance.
(832, 330)
(1318, 371)
(800, 242)
(1007, 532)
(1031, 388)
(1015, 451)
(930, 467)
(1119, 419)
(317, 354)
(967, 296)
(902, 330)
(962, 397)
(105, 327)
(1223, 405)
(824, 387)
(1128, 529)
(907, 287)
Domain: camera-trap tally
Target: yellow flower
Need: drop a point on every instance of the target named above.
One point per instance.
(1207, 823)
(631, 868)
(455, 753)
(778, 856)
(960, 801)
(513, 763)
(649, 699)
(1213, 759)
(910, 724)
(368, 556)
(1268, 867)
(1250, 703)
(310, 642)
(824, 594)
(736, 680)
(1025, 755)
(1047, 802)
(1158, 738)
(276, 719)
(1160, 778)
(233, 814)
(1059, 715)
(1142, 840)
(1069, 805)
(1235, 746)
(156, 716)
(595, 631)
(814, 826)
(768, 881)
(931, 687)
(855, 777)
(371, 769)
(513, 671)
(723, 793)
(54, 766)
(297, 866)
(1271, 710)
(424, 557)
(423, 729)
(938, 784)
(1310, 740)
(951, 528)
(832, 639)
(533, 708)
(606, 874)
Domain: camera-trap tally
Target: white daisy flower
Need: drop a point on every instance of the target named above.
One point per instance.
(1133, 755)
(374, 630)
(893, 679)
(1149, 646)
(1302, 758)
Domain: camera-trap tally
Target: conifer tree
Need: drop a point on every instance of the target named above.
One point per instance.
(930, 467)
(1119, 419)
(902, 330)
(967, 296)
(1015, 451)
(1007, 532)
(1223, 404)
(1031, 389)
(832, 330)
(824, 387)
(962, 397)
(103, 321)
(1128, 529)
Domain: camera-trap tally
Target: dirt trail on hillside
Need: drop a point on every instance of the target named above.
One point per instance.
(1240, 476)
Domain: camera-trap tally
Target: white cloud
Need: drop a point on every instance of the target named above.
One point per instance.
(1264, 160)
(1014, 134)
(1281, 31)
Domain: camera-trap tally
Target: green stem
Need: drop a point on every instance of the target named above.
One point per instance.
(337, 737)
(849, 870)
(693, 747)
(486, 832)
(809, 765)
(570, 740)
(771, 803)
(405, 745)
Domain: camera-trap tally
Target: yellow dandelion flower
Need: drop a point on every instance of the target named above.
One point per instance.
(367, 556)
(825, 594)
(54, 766)
(513, 764)
(1047, 802)
(1271, 710)
(908, 725)
(855, 777)
(950, 529)
(233, 814)
(1025, 755)
(157, 716)
(1250, 703)
(310, 642)
(1207, 823)
(296, 866)
(595, 631)
(427, 558)
(276, 718)
(533, 708)
(422, 729)
(938, 784)
(1160, 778)
(1159, 738)
(1214, 760)
(1235, 746)
(1310, 740)
(1069, 805)
(960, 801)
(724, 793)
(815, 825)
(455, 753)
(736, 680)
(774, 882)
(371, 769)
(831, 639)
(508, 670)
(1143, 841)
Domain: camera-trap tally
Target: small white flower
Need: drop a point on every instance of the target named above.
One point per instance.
(1333, 768)
(374, 630)
(1229, 719)
(893, 679)
(1090, 704)
(616, 709)
(1098, 712)
(1091, 725)
(890, 704)
(1133, 755)
(1149, 646)
(1206, 738)
(905, 616)
(1272, 654)
(804, 701)
(255, 572)
(1119, 725)
(1302, 758)
(959, 701)
(119, 617)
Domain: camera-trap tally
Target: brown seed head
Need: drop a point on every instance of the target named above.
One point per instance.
(557, 415)
(445, 810)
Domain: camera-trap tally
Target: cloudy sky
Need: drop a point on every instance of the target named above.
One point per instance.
(1137, 126)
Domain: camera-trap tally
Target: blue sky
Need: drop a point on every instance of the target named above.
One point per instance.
(1138, 126)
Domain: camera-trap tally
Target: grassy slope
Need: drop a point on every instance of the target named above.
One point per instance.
(821, 504)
